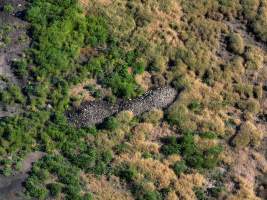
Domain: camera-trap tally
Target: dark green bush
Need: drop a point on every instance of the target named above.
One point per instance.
(97, 31)
(127, 173)
(179, 167)
(35, 189)
(20, 67)
(12, 94)
(55, 189)
(193, 156)
(171, 146)
(111, 123)
(195, 106)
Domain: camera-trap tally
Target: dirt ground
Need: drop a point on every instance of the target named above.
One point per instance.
(11, 187)
(16, 30)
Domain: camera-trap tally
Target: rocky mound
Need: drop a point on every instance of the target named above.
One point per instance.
(90, 113)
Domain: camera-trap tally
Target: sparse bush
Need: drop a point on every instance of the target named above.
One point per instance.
(20, 68)
(259, 23)
(250, 8)
(8, 8)
(153, 116)
(195, 106)
(251, 105)
(254, 58)
(93, 90)
(177, 114)
(248, 134)
(236, 43)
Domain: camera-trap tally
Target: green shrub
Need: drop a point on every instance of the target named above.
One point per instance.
(200, 194)
(193, 156)
(55, 189)
(195, 106)
(35, 189)
(208, 135)
(254, 58)
(150, 195)
(127, 173)
(97, 31)
(93, 90)
(8, 8)
(143, 194)
(20, 68)
(12, 94)
(179, 167)
(111, 123)
(170, 146)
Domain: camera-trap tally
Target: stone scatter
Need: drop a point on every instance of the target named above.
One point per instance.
(90, 113)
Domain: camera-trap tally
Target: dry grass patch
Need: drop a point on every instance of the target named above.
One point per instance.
(144, 80)
(248, 134)
(185, 184)
(78, 91)
(107, 189)
(154, 170)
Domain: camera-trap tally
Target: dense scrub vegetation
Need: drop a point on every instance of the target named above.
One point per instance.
(117, 50)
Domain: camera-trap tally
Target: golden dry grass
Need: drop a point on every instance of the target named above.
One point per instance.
(79, 91)
(104, 189)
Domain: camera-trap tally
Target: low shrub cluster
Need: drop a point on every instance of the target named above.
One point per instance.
(53, 175)
(193, 156)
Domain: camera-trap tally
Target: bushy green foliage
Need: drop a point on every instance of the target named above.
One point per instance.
(20, 68)
(200, 194)
(171, 146)
(12, 94)
(97, 31)
(67, 175)
(85, 156)
(111, 123)
(193, 156)
(112, 70)
(127, 173)
(179, 167)
(55, 189)
(19, 133)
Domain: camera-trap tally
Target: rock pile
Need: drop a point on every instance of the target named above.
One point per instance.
(90, 113)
